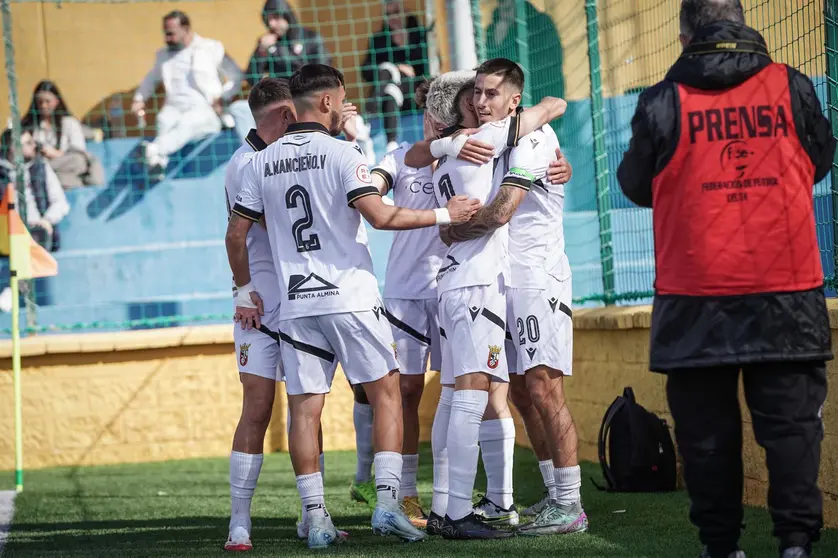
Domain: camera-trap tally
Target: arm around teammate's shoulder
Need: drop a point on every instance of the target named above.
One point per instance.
(490, 217)
(533, 118)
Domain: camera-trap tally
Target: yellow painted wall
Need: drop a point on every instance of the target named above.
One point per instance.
(145, 396)
(174, 393)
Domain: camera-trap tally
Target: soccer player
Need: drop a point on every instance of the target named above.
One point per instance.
(410, 297)
(313, 189)
(539, 290)
(472, 298)
(257, 349)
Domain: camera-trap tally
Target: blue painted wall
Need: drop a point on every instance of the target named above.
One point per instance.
(138, 249)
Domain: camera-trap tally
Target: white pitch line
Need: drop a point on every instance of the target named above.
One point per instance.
(7, 512)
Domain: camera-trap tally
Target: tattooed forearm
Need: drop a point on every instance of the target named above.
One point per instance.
(488, 218)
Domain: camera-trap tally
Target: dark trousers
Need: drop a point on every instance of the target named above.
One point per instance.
(392, 99)
(785, 400)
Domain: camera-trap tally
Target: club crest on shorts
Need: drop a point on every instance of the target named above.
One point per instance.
(395, 351)
(243, 349)
(494, 353)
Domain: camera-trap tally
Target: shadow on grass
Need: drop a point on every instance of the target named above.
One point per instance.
(181, 509)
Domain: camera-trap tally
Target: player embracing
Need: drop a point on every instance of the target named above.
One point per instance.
(257, 348)
(539, 292)
(410, 297)
(313, 190)
(472, 301)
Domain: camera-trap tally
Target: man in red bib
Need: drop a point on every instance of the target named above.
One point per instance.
(726, 150)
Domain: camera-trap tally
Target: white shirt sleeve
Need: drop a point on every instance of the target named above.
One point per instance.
(72, 135)
(58, 205)
(388, 168)
(355, 176)
(526, 163)
(233, 76)
(249, 203)
(500, 135)
(149, 83)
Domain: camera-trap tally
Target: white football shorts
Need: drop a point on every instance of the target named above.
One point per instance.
(258, 350)
(473, 321)
(312, 347)
(415, 325)
(543, 326)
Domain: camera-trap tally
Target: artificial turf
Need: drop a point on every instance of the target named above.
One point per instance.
(180, 508)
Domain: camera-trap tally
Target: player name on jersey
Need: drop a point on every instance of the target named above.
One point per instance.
(295, 164)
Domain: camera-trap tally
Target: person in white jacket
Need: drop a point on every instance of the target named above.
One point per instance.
(191, 68)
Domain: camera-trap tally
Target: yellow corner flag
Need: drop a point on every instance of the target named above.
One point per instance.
(28, 258)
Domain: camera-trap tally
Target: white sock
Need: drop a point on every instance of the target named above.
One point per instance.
(362, 416)
(388, 472)
(568, 485)
(244, 472)
(303, 513)
(439, 437)
(549, 477)
(310, 488)
(497, 445)
(410, 465)
(467, 408)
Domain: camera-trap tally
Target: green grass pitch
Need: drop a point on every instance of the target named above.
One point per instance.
(180, 509)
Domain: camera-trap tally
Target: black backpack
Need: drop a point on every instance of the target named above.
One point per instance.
(641, 455)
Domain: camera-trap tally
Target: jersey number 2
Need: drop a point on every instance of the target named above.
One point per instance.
(293, 197)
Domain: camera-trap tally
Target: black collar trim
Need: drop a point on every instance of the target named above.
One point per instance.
(254, 141)
(450, 130)
(306, 127)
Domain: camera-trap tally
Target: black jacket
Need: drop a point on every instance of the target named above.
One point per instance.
(697, 331)
(298, 47)
(382, 49)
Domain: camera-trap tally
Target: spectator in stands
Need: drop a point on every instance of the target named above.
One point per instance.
(60, 138)
(285, 47)
(395, 64)
(191, 68)
(726, 151)
(46, 204)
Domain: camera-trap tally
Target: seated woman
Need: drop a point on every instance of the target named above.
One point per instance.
(60, 138)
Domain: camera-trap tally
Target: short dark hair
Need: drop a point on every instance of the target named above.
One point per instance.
(267, 91)
(181, 17)
(312, 78)
(698, 13)
(466, 89)
(420, 94)
(509, 70)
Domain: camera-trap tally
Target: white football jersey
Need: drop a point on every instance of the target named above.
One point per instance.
(305, 184)
(415, 255)
(478, 261)
(536, 232)
(262, 271)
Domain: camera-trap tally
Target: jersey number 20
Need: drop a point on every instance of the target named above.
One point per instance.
(293, 197)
